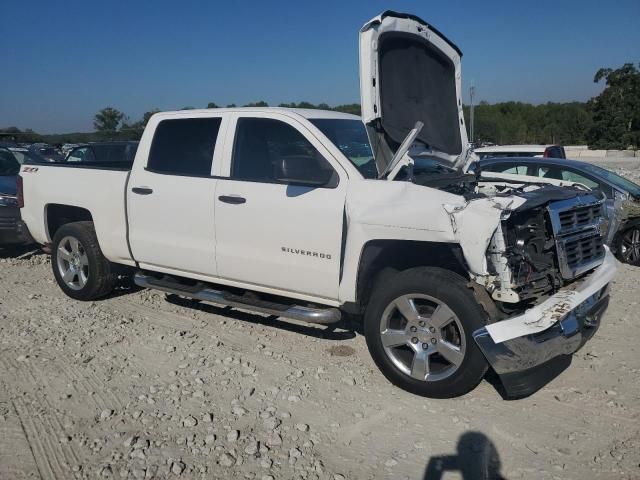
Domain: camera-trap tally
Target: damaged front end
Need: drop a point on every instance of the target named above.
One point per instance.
(539, 252)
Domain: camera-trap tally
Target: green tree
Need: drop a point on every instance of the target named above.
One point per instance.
(133, 131)
(353, 108)
(107, 119)
(212, 105)
(616, 111)
(261, 103)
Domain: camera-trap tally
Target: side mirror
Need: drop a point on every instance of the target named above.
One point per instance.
(303, 170)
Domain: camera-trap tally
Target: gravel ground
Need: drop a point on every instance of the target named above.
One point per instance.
(143, 386)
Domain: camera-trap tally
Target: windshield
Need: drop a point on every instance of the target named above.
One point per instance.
(351, 138)
(615, 179)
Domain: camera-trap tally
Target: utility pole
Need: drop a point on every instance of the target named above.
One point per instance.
(472, 92)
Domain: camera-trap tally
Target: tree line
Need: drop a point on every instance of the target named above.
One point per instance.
(609, 121)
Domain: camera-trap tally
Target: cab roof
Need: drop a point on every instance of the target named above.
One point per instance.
(302, 112)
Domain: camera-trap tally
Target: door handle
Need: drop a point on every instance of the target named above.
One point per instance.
(232, 199)
(142, 190)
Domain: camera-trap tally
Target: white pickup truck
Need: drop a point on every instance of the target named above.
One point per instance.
(313, 215)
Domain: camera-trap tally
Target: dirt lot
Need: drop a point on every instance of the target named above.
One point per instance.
(136, 386)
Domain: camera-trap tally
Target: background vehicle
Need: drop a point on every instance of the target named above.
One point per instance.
(105, 154)
(497, 151)
(623, 196)
(23, 155)
(49, 153)
(12, 230)
(293, 213)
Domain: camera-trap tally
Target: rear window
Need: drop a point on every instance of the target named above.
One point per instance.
(184, 146)
(8, 163)
(109, 153)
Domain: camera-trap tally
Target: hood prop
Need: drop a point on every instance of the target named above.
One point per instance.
(390, 170)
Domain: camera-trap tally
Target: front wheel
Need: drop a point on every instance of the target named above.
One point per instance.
(419, 325)
(628, 248)
(80, 268)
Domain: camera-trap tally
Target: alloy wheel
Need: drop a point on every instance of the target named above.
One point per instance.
(630, 247)
(423, 337)
(72, 263)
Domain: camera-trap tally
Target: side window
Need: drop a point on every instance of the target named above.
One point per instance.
(572, 176)
(508, 168)
(271, 151)
(517, 170)
(184, 146)
(549, 171)
(82, 154)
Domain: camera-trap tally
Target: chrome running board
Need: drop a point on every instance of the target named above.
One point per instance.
(324, 316)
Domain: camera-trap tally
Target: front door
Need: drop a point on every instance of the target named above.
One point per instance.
(170, 199)
(274, 233)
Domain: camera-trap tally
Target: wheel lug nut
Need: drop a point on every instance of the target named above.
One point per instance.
(425, 346)
(433, 340)
(414, 340)
(432, 330)
(414, 329)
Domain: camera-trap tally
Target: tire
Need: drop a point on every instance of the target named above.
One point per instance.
(628, 246)
(426, 316)
(75, 251)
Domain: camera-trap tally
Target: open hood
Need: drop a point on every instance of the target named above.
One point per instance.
(409, 72)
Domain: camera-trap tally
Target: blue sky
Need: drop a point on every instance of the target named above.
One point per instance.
(63, 61)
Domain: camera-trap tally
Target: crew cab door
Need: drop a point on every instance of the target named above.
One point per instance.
(170, 194)
(273, 233)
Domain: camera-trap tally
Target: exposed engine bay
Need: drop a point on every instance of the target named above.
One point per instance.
(543, 242)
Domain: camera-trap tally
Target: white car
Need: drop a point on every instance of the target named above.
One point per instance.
(290, 212)
(499, 151)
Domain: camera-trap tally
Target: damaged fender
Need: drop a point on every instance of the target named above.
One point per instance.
(474, 224)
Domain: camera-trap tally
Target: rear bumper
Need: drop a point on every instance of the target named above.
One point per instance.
(12, 229)
(526, 362)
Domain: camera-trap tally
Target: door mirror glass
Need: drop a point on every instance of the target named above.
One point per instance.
(302, 169)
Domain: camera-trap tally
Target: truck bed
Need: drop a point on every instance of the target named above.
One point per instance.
(100, 189)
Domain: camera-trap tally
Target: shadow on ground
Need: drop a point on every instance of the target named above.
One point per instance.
(340, 331)
(19, 251)
(476, 458)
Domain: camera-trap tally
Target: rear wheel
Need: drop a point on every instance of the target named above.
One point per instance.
(80, 268)
(419, 327)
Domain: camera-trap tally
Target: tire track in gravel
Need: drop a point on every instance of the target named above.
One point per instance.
(43, 431)
(54, 459)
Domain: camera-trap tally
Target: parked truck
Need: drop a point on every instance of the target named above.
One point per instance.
(315, 215)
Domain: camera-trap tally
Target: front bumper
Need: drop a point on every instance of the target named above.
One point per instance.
(530, 350)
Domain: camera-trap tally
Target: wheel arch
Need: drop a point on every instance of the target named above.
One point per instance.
(382, 257)
(57, 214)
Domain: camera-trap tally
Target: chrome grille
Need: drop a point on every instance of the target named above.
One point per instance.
(579, 217)
(580, 249)
(576, 227)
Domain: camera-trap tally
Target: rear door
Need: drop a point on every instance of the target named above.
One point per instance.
(170, 195)
(271, 234)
